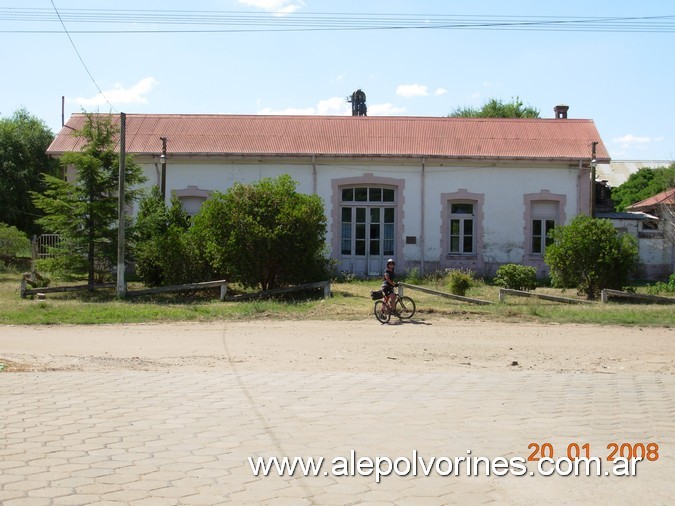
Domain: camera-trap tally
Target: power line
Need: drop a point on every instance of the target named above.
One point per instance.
(182, 21)
(80, 57)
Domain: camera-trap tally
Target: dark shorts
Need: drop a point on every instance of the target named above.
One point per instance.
(387, 289)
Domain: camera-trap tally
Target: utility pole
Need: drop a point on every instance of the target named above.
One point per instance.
(594, 164)
(163, 160)
(121, 216)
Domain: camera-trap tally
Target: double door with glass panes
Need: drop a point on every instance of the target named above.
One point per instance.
(367, 229)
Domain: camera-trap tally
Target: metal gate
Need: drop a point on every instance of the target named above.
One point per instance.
(43, 244)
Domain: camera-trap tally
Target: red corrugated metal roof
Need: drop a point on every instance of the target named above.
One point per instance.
(664, 198)
(391, 136)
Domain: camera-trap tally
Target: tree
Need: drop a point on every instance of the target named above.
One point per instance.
(590, 254)
(12, 241)
(84, 211)
(165, 253)
(265, 234)
(24, 140)
(495, 108)
(643, 184)
(666, 214)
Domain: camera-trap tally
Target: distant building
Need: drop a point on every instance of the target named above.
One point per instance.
(617, 172)
(652, 223)
(656, 204)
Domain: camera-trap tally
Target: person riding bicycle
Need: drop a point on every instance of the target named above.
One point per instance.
(388, 284)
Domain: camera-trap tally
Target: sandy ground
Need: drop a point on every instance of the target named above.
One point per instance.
(432, 344)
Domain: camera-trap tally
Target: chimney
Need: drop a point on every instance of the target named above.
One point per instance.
(561, 111)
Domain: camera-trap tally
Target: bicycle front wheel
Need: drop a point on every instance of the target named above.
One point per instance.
(405, 307)
(381, 312)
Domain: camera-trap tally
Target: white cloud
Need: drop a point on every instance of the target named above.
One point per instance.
(632, 140)
(335, 106)
(412, 90)
(630, 144)
(289, 111)
(440, 91)
(384, 110)
(276, 6)
(136, 94)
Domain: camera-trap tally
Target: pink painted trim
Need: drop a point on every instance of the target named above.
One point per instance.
(529, 258)
(584, 191)
(472, 261)
(368, 179)
(192, 192)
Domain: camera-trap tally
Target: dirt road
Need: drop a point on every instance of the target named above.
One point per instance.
(433, 344)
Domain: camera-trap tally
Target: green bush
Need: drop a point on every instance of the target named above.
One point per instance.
(516, 277)
(165, 252)
(12, 241)
(590, 254)
(459, 281)
(436, 277)
(413, 276)
(661, 287)
(343, 276)
(265, 234)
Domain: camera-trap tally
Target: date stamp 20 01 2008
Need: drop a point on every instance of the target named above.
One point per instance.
(641, 451)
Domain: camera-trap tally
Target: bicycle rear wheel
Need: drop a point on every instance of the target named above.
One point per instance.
(405, 307)
(381, 312)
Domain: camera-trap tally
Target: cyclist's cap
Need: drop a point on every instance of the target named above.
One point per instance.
(391, 261)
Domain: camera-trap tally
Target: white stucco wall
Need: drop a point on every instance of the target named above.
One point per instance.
(656, 253)
(213, 175)
(420, 205)
(504, 206)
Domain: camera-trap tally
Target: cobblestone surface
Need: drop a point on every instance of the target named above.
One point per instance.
(174, 438)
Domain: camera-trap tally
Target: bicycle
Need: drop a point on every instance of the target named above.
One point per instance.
(404, 307)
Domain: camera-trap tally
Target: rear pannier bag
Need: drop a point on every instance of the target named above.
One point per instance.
(376, 295)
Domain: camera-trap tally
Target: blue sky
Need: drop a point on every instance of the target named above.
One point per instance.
(621, 80)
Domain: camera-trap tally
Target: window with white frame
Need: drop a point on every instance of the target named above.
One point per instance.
(462, 228)
(544, 218)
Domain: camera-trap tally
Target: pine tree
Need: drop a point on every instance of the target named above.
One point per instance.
(83, 211)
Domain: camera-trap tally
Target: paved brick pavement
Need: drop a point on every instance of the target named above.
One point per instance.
(155, 438)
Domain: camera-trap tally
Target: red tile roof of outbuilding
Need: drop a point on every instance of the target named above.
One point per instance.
(386, 136)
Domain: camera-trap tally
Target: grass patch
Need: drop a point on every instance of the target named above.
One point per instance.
(350, 301)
